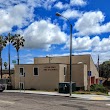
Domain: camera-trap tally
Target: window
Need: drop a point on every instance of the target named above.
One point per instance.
(64, 71)
(21, 71)
(35, 71)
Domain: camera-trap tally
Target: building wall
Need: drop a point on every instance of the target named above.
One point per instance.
(59, 59)
(85, 77)
(41, 60)
(47, 79)
(65, 60)
(93, 69)
(85, 59)
(13, 80)
(79, 75)
(62, 77)
(51, 72)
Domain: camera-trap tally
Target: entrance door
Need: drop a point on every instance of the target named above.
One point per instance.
(92, 80)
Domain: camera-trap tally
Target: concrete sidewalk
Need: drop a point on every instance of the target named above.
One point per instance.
(79, 96)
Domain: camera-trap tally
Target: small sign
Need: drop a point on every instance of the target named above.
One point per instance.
(50, 68)
(14, 61)
(89, 73)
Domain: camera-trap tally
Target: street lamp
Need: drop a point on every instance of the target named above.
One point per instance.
(58, 14)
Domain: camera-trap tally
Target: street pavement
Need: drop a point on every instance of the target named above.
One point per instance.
(31, 101)
(79, 96)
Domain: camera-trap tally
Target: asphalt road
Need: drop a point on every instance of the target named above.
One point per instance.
(20, 101)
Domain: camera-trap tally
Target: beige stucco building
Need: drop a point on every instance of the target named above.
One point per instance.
(47, 72)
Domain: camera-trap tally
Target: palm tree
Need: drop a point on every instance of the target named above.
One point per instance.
(18, 42)
(5, 65)
(2, 45)
(9, 39)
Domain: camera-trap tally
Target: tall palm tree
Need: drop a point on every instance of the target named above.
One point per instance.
(2, 45)
(9, 39)
(18, 42)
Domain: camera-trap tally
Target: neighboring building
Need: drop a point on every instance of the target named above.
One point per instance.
(5, 78)
(47, 72)
(5, 73)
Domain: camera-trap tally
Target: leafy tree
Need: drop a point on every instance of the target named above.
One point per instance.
(104, 69)
(5, 65)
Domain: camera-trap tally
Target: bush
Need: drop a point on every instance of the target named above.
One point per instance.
(98, 88)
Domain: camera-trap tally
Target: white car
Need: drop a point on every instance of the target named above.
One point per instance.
(2, 87)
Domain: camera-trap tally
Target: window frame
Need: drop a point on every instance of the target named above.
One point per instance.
(37, 70)
(23, 71)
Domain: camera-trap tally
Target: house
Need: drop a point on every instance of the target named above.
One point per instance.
(47, 72)
(5, 73)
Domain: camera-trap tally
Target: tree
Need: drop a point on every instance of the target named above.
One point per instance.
(104, 69)
(2, 45)
(9, 39)
(5, 65)
(18, 42)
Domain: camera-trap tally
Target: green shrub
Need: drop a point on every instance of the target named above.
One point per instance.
(98, 88)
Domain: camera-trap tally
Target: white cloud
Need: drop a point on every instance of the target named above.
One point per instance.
(94, 46)
(42, 34)
(71, 13)
(103, 46)
(48, 3)
(71, 3)
(27, 60)
(26, 55)
(83, 43)
(86, 43)
(18, 15)
(60, 5)
(33, 3)
(78, 2)
(91, 23)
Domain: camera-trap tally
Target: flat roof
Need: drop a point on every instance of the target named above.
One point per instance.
(63, 56)
(42, 64)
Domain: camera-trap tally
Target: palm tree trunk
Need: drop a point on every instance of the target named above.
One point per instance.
(1, 64)
(9, 56)
(18, 56)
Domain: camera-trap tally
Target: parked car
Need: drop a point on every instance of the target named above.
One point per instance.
(2, 87)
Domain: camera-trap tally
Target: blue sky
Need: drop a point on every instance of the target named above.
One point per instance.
(46, 34)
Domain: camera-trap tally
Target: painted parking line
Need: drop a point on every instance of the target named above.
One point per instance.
(98, 98)
(6, 102)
